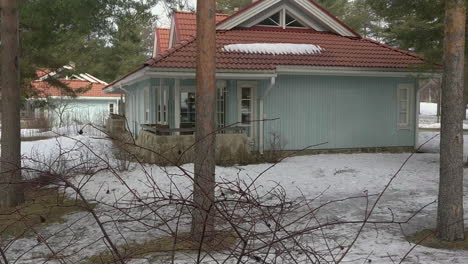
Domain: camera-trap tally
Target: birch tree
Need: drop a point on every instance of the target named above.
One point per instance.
(205, 136)
(11, 189)
(450, 225)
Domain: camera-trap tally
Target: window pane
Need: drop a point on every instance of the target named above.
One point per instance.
(403, 107)
(404, 94)
(246, 118)
(403, 118)
(292, 22)
(184, 117)
(245, 93)
(183, 102)
(274, 20)
(246, 106)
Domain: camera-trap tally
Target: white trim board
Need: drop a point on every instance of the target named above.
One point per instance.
(286, 9)
(310, 9)
(350, 71)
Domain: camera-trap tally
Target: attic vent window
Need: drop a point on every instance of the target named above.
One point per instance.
(283, 19)
(274, 20)
(292, 22)
(274, 48)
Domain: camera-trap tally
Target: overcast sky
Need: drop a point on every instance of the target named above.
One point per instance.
(161, 12)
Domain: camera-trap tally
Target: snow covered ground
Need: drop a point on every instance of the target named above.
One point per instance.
(428, 117)
(327, 177)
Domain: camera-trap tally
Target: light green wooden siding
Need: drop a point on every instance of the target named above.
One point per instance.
(346, 112)
(231, 103)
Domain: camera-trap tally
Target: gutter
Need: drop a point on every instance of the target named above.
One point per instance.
(262, 114)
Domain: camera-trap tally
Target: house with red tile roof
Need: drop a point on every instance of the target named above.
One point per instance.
(287, 69)
(82, 101)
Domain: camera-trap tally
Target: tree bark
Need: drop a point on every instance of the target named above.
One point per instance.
(11, 191)
(450, 225)
(203, 223)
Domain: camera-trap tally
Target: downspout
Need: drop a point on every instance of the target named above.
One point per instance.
(262, 115)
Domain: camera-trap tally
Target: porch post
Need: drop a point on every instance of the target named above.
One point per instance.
(177, 105)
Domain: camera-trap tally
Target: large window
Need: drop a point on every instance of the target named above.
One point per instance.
(404, 95)
(162, 104)
(187, 109)
(187, 106)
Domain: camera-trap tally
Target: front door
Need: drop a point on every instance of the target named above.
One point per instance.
(246, 98)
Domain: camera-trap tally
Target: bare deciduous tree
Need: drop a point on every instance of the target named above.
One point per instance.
(205, 136)
(11, 193)
(450, 225)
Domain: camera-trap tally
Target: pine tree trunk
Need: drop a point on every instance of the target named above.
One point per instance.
(203, 225)
(450, 225)
(11, 193)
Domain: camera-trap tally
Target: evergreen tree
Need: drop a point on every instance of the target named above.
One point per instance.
(103, 37)
(230, 6)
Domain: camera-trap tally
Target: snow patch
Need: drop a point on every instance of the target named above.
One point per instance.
(274, 48)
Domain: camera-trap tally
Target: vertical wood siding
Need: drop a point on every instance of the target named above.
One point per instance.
(345, 112)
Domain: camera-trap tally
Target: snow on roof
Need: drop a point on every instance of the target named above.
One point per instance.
(274, 48)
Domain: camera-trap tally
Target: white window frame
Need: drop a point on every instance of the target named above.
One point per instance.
(253, 85)
(162, 99)
(111, 108)
(282, 23)
(404, 88)
(221, 95)
(146, 104)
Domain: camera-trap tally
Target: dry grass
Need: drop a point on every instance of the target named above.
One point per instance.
(164, 246)
(427, 238)
(43, 206)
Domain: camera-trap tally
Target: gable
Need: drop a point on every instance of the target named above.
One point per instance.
(184, 26)
(305, 13)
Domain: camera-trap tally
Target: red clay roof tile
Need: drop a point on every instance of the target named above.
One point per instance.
(44, 89)
(338, 51)
(186, 24)
(162, 35)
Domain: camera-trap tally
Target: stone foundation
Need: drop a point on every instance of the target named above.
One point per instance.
(116, 125)
(176, 150)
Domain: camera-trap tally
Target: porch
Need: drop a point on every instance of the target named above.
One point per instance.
(166, 107)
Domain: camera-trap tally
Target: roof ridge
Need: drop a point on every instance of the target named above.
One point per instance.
(394, 48)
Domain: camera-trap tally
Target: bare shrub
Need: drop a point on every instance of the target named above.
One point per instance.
(275, 148)
(146, 215)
